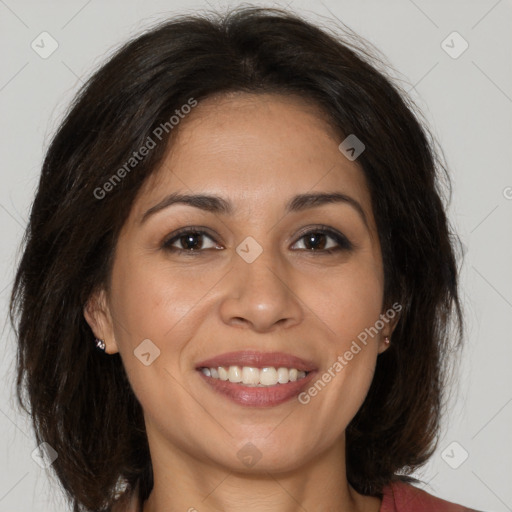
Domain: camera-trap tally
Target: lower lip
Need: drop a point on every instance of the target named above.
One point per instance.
(258, 396)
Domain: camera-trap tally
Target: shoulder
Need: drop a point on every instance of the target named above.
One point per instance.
(403, 497)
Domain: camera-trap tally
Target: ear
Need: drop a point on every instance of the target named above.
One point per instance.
(98, 315)
(387, 330)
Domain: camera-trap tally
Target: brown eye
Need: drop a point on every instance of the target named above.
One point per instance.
(318, 240)
(189, 241)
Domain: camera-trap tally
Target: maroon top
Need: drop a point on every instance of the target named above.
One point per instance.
(402, 497)
(397, 497)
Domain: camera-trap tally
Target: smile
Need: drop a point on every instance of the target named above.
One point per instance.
(259, 394)
(255, 377)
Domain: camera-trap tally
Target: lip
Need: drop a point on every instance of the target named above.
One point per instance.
(256, 396)
(257, 359)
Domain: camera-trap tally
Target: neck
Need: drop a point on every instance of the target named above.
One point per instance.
(186, 484)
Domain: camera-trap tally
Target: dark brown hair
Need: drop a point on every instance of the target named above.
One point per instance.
(80, 400)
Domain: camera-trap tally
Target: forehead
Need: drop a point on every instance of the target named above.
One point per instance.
(255, 149)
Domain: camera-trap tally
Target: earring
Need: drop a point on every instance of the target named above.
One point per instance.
(100, 344)
(386, 340)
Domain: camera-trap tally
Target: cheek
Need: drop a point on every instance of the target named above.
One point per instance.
(348, 301)
(152, 303)
(152, 298)
(348, 304)
(158, 302)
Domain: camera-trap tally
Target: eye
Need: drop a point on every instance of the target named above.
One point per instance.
(189, 240)
(316, 240)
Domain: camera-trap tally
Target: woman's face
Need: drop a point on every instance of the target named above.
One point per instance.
(259, 279)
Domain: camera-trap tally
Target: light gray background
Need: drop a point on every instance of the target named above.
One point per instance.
(468, 102)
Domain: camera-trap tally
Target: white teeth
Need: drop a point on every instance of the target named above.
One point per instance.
(234, 374)
(282, 375)
(268, 376)
(250, 376)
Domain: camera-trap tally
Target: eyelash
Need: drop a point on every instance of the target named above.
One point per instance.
(343, 243)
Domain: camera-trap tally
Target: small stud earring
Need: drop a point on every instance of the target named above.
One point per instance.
(100, 344)
(386, 340)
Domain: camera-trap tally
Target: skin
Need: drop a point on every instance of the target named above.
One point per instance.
(256, 151)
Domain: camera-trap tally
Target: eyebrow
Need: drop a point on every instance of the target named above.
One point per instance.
(218, 205)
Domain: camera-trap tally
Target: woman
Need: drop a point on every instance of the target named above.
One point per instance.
(238, 278)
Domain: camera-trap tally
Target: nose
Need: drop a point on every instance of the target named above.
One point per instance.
(260, 295)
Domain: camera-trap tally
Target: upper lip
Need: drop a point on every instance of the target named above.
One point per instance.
(258, 360)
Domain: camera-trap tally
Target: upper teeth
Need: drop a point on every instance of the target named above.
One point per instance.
(268, 376)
